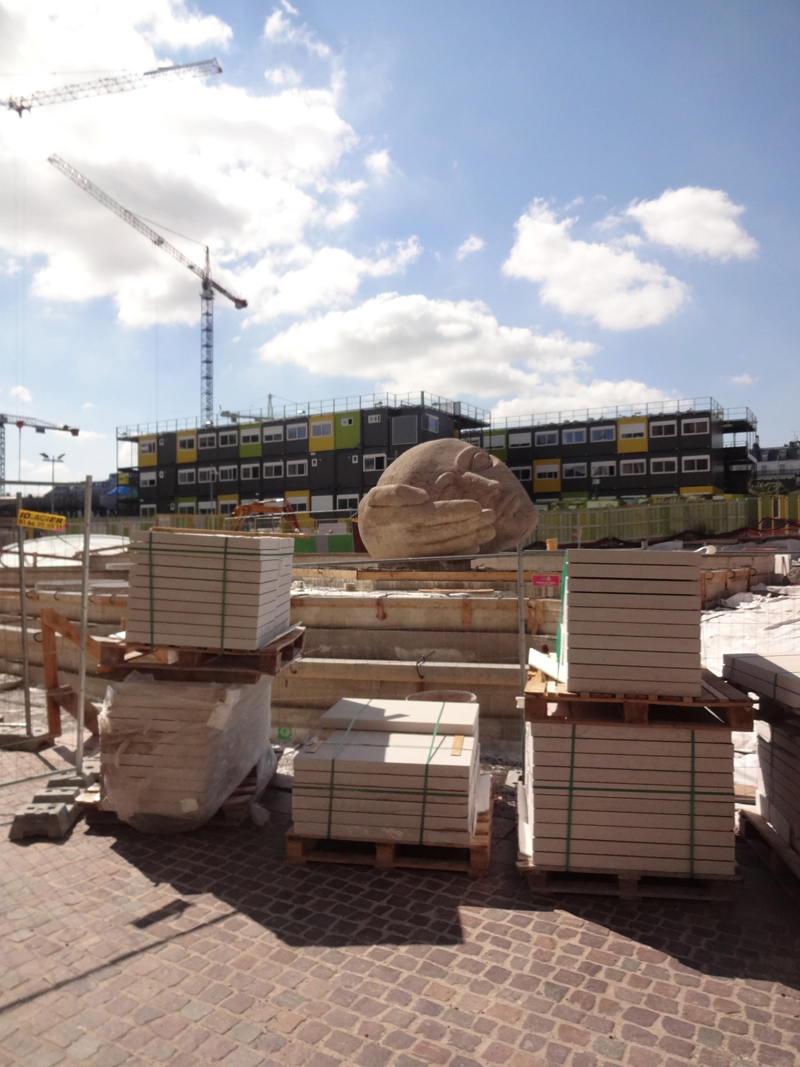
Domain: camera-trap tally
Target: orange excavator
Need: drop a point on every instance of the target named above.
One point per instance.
(265, 507)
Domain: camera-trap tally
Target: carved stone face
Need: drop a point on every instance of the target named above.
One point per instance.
(450, 469)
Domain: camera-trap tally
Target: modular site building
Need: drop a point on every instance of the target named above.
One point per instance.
(322, 458)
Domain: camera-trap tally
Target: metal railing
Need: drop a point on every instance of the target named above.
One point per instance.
(660, 407)
(364, 401)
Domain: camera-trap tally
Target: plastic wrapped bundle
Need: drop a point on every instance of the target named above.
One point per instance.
(172, 752)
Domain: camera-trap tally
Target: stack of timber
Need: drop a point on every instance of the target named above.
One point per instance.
(172, 752)
(635, 802)
(776, 680)
(631, 621)
(226, 591)
(393, 773)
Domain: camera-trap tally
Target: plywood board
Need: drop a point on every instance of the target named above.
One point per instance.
(632, 557)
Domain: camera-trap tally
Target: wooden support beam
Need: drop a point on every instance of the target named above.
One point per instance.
(50, 671)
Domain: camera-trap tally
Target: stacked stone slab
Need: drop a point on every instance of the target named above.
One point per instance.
(646, 800)
(776, 680)
(395, 771)
(229, 591)
(631, 622)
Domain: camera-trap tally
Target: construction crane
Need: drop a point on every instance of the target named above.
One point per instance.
(20, 421)
(204, 273)
(118, 83)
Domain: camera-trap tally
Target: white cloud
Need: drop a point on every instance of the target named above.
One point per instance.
(21, 393)
(378, 163)
(306, 278)
(283, 76)
(89, 404)
(743, 379)
(472, 244)
(281, 30)
(256, 176)
(697, 221)
(408, 343)
(603, 282)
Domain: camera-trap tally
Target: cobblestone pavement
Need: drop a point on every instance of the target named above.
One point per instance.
(207, 948)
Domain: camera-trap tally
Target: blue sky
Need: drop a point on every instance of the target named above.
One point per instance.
(530, 206)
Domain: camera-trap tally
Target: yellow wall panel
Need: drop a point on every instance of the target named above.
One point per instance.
(184, 453)
(632, 434)
(547, 476)
(320, 433)
(148, 451)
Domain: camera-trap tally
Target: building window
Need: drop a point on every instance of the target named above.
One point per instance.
(314, 461)
(298, 431)
(186, 477)
(664, 466)
(273, 470)
(147, 511)
(322, 429)
(347, 503)
(432, 423)
(546, 438)
(161, 474)
(573, 437)
(404, 430)
(186, 444)
(602, 433)
(574, 470)
(347, 422)
(355, 459)
(207, 474)
(251, 436)
(207, 440)
(372, 419)
(147, 448)
(249, 472)
(632, 431)
(693, 427)
(186, 509)
(695, 464)
(273, 433)
(227, 507)
(228, 474)
(519, 440)
(298, 503)
(629, 467)
(522, 473)
(229, 439)
(147, 479)
(297, 468)
(374, 463)
(545, 472)
(207, 507)
(663, 429)
(604, 470)
(494, 440)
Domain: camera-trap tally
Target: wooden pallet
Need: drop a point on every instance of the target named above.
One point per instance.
(729, 707)
(473, 861)
(776, 854)
(180, 664)
(232, 812)
(13, 740)
(627, 885)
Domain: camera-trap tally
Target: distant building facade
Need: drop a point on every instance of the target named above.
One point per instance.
(325, 457)
(780, 464)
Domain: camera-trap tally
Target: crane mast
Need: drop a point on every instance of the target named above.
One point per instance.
(118, 83)
(208, 287)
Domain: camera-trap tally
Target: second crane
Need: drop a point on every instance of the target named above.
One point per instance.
(209, 285)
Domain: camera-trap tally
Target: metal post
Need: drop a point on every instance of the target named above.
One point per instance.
(26, 680)
(523, 652)
(87, 530)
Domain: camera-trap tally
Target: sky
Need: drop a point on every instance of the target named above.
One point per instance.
(528, 206)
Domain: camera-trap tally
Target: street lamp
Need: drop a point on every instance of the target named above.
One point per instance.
(52, 460)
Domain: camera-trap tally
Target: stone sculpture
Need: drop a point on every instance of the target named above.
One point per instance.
(443, 498)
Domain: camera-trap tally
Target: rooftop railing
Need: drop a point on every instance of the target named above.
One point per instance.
(659, 407)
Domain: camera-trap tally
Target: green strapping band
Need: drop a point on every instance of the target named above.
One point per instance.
(691, 808)
(150, 561)
(425, 779)
(333, 763)
(634, 789)
(224, 591)
(570, 797)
